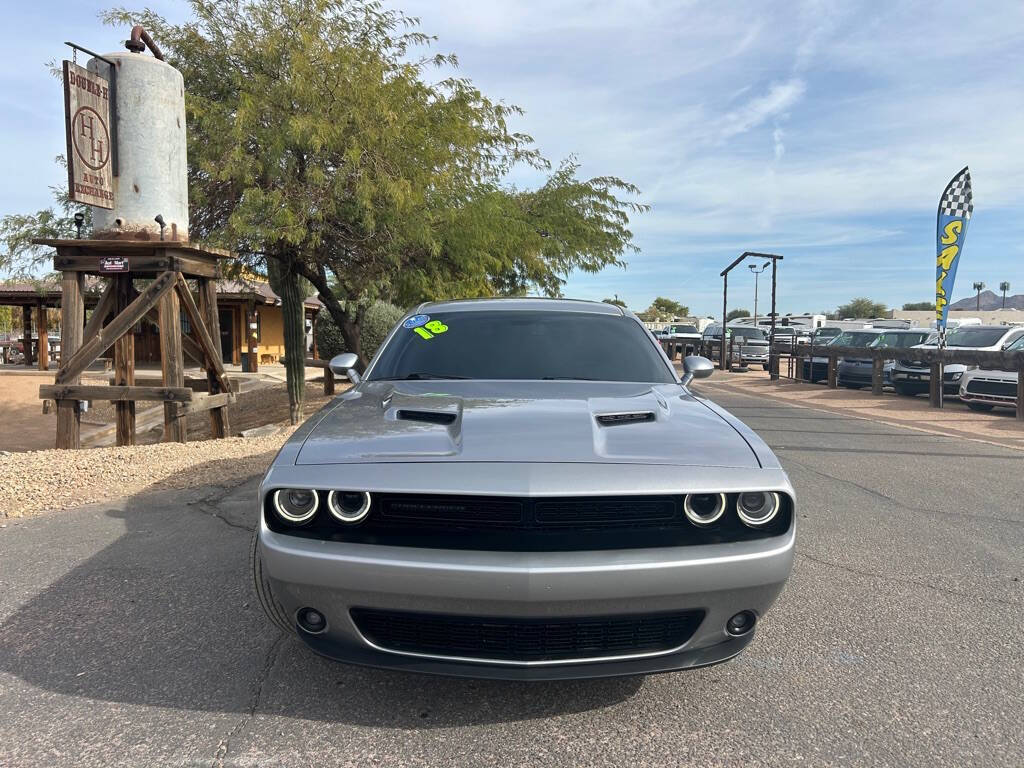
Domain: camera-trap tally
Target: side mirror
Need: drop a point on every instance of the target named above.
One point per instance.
(345, 365)
(696, 367)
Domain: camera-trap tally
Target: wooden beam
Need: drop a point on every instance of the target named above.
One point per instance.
(143, 264)
(102, 311)
(189, 348)
(121, 324)
(43, 352)
(877, 375)
(26, 327)
(117, 394)
(210, 349)
(209, 403)
(220, 424)
(249, 334)
(124, 364)
(171, 362)
(72, 318)
(833, 378)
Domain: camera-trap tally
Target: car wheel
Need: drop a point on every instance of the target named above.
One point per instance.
(262, 586)
(980, 406)
(901, 389)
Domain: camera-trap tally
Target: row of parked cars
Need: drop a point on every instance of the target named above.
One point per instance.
(982, 389)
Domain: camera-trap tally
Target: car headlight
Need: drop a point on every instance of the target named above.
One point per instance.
(757, 508)
(296, 505)
(704, 508)
(349, 506)
(955, 376)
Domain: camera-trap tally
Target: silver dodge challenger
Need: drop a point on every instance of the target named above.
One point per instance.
(523, 489)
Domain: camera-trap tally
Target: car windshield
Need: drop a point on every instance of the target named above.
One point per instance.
(684, 329)
(827, 333)
(748, 333)
(854, 339)
(975, 337)
(521, 344)
(899, 339)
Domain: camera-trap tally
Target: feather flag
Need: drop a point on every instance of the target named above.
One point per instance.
(955, 208)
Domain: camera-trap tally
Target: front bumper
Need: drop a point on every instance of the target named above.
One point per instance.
(334, 577)
(920, 383)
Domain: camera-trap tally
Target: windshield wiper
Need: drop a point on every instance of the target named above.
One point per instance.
(415, 376)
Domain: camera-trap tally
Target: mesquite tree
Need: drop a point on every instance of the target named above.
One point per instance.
(325, 128)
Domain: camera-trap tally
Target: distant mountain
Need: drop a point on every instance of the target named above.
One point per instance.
(989, 300)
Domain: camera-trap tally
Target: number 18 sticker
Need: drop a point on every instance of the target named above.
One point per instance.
(431, 329)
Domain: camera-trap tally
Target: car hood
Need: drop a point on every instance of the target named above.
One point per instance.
(526, 421)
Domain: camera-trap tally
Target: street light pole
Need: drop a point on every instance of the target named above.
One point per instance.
(757, 274)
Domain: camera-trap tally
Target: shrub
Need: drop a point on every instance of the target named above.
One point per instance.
(380, 318)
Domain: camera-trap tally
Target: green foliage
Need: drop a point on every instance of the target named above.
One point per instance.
(319, 135)
(380, 318)
(19, 257)
(862, 307)
(664, 309)
(734, 313)
(920, 306)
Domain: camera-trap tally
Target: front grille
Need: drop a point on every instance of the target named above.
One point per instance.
(541, 639)
(530, 524)
(998, 388)
(915, 364)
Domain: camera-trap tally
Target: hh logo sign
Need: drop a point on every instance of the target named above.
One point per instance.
(87, 116)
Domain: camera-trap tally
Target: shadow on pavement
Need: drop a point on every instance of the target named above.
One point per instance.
(164, 616)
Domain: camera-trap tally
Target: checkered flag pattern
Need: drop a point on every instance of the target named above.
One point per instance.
(957, 199)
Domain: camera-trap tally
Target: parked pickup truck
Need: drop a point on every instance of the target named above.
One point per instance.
(749, 345)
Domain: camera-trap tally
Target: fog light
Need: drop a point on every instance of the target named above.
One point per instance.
(741, 623)
(313, 621)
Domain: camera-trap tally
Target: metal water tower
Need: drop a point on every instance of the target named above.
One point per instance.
(152, 173)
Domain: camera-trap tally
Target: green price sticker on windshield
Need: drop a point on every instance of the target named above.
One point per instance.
(431, 329)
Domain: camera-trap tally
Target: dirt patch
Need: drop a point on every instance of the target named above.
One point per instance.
(35, 481)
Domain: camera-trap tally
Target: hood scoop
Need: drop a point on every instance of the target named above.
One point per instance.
(428, 417)
(611, 419)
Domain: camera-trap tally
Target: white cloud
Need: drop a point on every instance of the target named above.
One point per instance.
(777, 101)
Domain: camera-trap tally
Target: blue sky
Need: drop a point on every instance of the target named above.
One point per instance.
(822, 131)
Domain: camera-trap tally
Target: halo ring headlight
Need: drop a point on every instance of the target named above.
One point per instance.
(757, 508)
(296, 505)
(697, 509)
(348, 506)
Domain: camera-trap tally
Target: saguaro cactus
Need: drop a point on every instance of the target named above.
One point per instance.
(293, 290)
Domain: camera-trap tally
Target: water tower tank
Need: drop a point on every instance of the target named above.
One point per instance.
(152, 175)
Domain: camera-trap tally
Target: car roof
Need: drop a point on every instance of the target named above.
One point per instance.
(900, 330)
(987, 328)
(519, 303)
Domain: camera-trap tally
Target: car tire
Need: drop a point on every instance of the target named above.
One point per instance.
(261, 585)
(901, 389)
(980, 406)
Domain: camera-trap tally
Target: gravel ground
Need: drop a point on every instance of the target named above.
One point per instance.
(39, 481)
(34, 481)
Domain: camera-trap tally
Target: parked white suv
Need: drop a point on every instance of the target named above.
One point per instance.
(983, 389)
(911, 377)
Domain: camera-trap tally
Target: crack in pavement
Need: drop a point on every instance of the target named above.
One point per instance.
(897, 502)
(224, 745)
(905, 582)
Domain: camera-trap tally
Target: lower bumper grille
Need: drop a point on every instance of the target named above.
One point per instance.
(998, 388)
(525, 640)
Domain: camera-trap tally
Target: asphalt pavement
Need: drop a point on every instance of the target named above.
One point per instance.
(129, 636)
